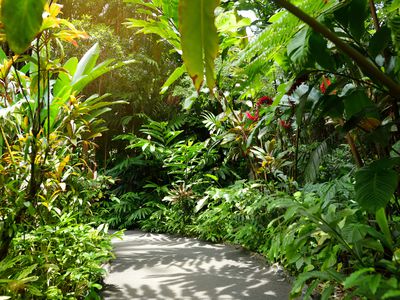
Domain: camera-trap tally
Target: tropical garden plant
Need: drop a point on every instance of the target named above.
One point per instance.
(315, 89)
(48, 176)
(277, 130)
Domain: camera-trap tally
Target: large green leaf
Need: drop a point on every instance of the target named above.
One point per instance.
(87, 63)
(86, 70)
(298, 48)
(316, 157)
(319, 50)
(65, 77)
(375, 185)
(379, 40)
(343, 13)
(22, 20)
(357, 277)
(199, 39)
(308, 47)
(170, 9)
(228, 22)
(102, 68)
(358, 12)
(354, 232)
(357, 102)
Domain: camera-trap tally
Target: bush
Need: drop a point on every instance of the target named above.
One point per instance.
(63, 261)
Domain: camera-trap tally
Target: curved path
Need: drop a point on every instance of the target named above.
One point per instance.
(156, 266)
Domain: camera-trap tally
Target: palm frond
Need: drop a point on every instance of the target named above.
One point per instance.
(261, 53)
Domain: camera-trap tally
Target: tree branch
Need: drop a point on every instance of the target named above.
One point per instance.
(374, 15)
(365, 64)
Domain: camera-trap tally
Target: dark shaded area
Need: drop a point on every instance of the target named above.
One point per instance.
(151, 266)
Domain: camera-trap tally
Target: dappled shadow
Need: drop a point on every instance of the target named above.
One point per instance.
(152, 266)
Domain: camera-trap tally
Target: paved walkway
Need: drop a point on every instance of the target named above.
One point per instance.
(156, 266)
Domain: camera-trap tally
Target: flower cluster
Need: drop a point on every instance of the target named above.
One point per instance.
(285, 124)
(324, 84)
(251, 117)
(265, 100)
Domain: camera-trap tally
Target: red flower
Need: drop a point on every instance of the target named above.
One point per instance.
(251, 117)
(285, 124)
(265, 100)
(324, 85)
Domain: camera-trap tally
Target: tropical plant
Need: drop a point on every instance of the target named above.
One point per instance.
(57, 262)
(331, 67)
(334, 243)
(47, 171)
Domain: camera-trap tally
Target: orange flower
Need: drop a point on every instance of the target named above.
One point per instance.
(324, 84)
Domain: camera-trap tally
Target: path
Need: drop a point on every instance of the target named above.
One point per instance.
(156, 266)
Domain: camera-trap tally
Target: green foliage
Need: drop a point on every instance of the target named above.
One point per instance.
(287, 100)
(20, 34)
(128, 210)
(160, 24)
(162, 167)
(331, 81)
(199, 39)
(336, 238)
(61, 262)
(235, 214)
(138, 84)
(49, 184)
(375, 185)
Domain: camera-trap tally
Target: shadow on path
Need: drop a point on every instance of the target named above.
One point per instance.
(155, 266)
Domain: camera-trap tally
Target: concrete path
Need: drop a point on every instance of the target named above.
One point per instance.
(156, 266)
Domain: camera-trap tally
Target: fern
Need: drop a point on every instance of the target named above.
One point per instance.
(259, 56)
(177, 122)
(211, 122)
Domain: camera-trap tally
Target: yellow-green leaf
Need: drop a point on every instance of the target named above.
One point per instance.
(22, 20)
(199, 39)
(172, 78)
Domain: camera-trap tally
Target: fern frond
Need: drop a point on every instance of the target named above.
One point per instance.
(261, 53)
(211, 122)
(177, 122)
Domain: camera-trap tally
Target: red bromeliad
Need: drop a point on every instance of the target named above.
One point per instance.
(251, 117)
(261, 101)
(265, 100)
(285, 124)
